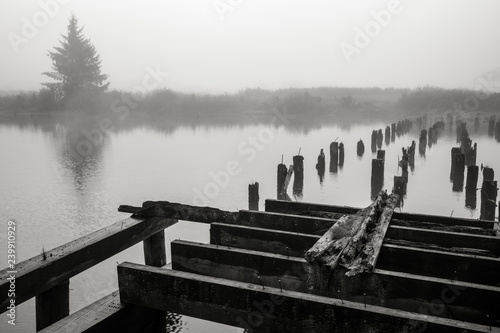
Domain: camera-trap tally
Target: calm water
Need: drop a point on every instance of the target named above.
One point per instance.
(55, 197)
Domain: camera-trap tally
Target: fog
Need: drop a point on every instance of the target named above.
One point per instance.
(218, 46)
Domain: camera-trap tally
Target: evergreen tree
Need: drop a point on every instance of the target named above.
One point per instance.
(76, 65)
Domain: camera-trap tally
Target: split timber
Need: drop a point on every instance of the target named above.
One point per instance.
(433, 274)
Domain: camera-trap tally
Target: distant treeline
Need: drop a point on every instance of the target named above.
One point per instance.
(294, 100)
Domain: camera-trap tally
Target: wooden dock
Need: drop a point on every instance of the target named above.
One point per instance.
(432, 274)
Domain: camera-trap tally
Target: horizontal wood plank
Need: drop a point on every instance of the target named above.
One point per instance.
(252, 307)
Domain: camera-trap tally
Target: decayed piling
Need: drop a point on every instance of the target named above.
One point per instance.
(298, 170)
(457, 169)
(373, 142)
(393, 132)
(411, 154)
(334, 156)
(282, 172)
(377, 178)
(399, 186)
(380, 138)
(422, 142)
(360, 148)
(497, 131)
(470, 186)
(476, 124)
(320, 165)
(341, 155)
(387, 135)
(253, 196)
(488, 200)
(491, 126)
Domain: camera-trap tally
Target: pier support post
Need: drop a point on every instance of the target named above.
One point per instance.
(334, 156)
(360, 148)
(253, 196)
(282, 171)
(387, 135)
(341, 155)
(488, 200)
(472, 175)
(298, 170)
(491, 126)
(52, 305)
(156, 255)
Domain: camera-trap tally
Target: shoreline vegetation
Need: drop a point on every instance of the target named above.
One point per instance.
(300, 105)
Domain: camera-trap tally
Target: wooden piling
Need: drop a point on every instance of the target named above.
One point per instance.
(497, 131)
(52, 305)
(387, 135)
(488, 200)
(393, 132)
(360, 148)
(381, 155)
(476, 124)
(380, 138)
(298, 170)
(488, 174)
(334, 156)
(282, 171)
(399, 185)
(472, 175)
(374, 141)
(422, 142)
(377, 178)
(457, 162)
(491, 126)
(341, 155)
(253, 196)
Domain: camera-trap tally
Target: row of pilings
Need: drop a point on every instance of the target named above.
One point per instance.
(494, 128)
(396, 129)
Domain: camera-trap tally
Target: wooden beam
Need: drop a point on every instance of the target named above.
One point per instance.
(294, 207)
(453, 266)
(252, 307)
(444, 227)
(409, 292)
(107, 315)
(38, 274)
(447, 239)
(285, 222)
(240, 264)
(260, 239)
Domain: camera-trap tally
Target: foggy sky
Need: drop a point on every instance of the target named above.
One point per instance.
(260, 43)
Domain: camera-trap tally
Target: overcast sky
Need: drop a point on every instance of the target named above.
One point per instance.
(228, 45)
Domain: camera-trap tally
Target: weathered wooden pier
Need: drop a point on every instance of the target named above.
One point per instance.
(425, 274)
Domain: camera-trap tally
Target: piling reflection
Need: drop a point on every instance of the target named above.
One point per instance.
(320, 166)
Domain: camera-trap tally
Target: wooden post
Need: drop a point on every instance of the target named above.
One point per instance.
(334, 156)
(422, 142)
(488, 200)
(374, 141)
(381, 155)
(472, 175)
(253, 196)
(497, 131)
(399, 186)
(52, 305)
(457, 161)
(491, 126)
(282, 171)
(380, 138)
(488, 174)
(154, 250)
(393, 132)
(298, 170)
(387, 135)
(341, 155)
(360, 148)
(156, 255)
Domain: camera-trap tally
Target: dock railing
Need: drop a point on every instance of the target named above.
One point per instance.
(46, 276)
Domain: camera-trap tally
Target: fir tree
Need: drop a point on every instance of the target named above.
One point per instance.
(76, 65)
